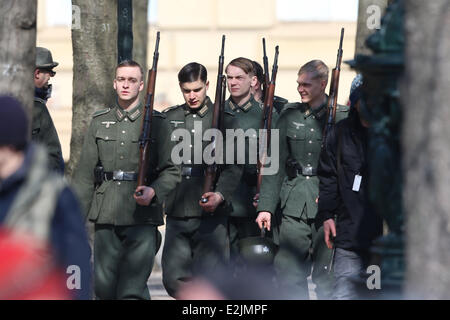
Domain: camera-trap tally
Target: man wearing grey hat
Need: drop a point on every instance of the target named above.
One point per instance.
(43, 129)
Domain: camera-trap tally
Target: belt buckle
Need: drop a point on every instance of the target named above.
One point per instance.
(118, 175)
(307, 171)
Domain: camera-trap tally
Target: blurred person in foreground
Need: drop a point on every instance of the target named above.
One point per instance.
(343, 193)
(37, 202)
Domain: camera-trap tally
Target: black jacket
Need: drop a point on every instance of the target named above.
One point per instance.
(357, 224)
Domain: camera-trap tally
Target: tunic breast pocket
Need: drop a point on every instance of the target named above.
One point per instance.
(106, 143)
(296, 138)
(297, 133)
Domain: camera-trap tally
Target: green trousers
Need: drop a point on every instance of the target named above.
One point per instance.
(192, 245)
(302, 250)
(123, 260)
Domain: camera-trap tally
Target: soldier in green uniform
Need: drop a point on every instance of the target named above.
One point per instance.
(43, 129)
(196, 233)
(126, 235)
(240, 79)
(300, 128)
(278, 102)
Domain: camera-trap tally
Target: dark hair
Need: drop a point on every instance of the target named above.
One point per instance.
(259, 72)
(243, 63)
(192, 72)
(130, 63)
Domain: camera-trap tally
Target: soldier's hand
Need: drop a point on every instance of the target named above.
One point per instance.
(329, 228)
(255, 200)
(263, 219)
(147, 195)
(214, 200)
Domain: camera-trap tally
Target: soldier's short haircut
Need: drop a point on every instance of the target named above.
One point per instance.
(243, 63)
(259, 72)
(192, 72)
(317, 68)
(130, 63)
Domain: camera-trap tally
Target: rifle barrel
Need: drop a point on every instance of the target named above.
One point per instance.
(339, 54)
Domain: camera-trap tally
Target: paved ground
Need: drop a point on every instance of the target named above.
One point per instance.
(158, 292)
(156, 287)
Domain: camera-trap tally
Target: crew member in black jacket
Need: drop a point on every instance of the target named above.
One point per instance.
(343, 196)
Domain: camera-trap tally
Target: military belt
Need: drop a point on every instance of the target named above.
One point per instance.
(120, 175)
(192, 171)
(293, 169)
(306, 171)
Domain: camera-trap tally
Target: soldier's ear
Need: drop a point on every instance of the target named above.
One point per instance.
(207, 84)
(115, 84)
(36, 73)
(253, 82)
(141, 85)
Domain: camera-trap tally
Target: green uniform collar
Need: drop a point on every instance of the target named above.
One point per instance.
(132, 114)
(245, 107)
(201, 111)
(319, 113)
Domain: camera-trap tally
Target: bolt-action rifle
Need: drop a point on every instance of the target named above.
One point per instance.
(266, 122)
(211, 170)
(145, 138)
(331, 116)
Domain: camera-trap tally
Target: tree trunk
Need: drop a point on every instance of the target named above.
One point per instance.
(426, 148)
(17, 54)
(94, 44)
(369, 15)
(140, 33)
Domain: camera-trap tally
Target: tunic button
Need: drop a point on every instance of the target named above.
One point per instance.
(106, 138)
(312, 129)
(190, 146)
(309, 154)
(122, 143)
(307, 177)
(123, 131)
(310, 141)
(192, 130)
(118, 183)
(195, 116)
(126, 119)
(121, 157)
(189, 161)
(188, 177)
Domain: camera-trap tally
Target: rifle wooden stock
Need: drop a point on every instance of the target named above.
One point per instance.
(266, 122)
(333, 94)
(145, 138)
(217, 123)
